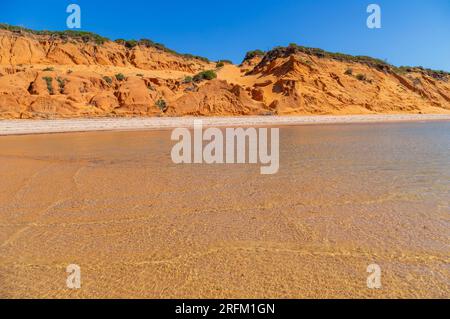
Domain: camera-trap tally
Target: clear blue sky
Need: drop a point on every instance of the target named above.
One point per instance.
(414, 32)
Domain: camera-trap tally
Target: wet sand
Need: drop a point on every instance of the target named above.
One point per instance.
(139, 226)
(22, 127)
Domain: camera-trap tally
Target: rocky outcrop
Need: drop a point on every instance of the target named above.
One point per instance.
(52, 77)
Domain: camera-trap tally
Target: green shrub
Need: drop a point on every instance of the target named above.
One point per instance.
(108, 79)
(131, 44)
(140, 75)
(349, 71)
(220, 65)
(49, 69)
(209, 75)
(61, 83)
(251, 54)
(162, 105)
(84, 36)
(120, 77)
(205, 75)
(188, 79)
(49, 81)
(146, 42)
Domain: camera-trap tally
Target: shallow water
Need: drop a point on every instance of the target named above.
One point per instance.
(346, 196)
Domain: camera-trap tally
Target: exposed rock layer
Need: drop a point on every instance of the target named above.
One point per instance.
(43, 77)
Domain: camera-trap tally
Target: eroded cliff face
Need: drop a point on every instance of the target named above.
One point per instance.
(28, 49)
(44, 77)
(305, 84)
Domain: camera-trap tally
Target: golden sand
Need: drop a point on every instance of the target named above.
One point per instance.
(139, 226)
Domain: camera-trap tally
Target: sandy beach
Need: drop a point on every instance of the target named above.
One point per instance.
(24, 127)
(221, 159)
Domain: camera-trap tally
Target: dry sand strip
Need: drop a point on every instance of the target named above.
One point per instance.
(24, 127)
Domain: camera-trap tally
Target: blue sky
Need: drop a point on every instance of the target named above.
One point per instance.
(414, 32)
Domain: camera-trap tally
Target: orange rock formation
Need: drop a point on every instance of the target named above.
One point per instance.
(42, 76)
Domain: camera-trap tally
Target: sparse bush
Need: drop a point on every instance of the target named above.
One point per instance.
(220, 65)
(131, 44)
(349, 71)
(191, 56)
(402, 70)
(74, 36)
(108, 80)
(294, 49)
(63, 35)
(49, 69)
(162, 105)
(61, 83)
(159, 46)
(120, 77)
(140, 75)
(188, 79)
(69, 71)
(251, 54)
(49, 81)
(209, 75)
(146, 42)
(435, 74)
(120, 41)
(205, 75)
(361, 77)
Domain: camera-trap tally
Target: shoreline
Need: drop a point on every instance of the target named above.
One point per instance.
(29, 127)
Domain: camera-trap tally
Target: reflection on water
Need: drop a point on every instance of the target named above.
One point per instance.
(346, 196)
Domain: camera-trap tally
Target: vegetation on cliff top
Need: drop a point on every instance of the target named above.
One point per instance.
(251, 54)
(83, 36)
(205, 75)
(378, 64)
(89, 37)
(130, 44)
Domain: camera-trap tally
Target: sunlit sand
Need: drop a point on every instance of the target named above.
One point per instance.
(346, 196)
(14, 127)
